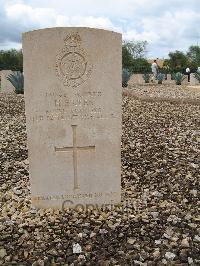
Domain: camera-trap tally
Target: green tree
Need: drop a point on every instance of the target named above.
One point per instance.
(177, 62)
(11, 59)
(140, 65)
(133, 56)
(193, 55)
(137, 49)
(178, 59)
(127, 59)
(167, 63)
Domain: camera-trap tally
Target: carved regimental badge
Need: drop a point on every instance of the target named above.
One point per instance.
(72, 63)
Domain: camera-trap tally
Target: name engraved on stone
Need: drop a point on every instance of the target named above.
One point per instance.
(75, 150)
(60, 107)
(72, 64)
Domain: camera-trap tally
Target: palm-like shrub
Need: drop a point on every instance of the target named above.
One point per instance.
(179, 77)
(160, 78)
(17, 80)
(146, 77)
(125, 77)
(197, 75)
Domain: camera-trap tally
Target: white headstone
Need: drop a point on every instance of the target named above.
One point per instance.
(185, 81)
(73, 112)
(193, 80)
(136, 79)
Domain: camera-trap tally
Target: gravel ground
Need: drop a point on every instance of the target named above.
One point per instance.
(157, 222)
(170, 93)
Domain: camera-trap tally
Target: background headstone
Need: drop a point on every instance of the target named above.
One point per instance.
(168, 76)
(185, 81)
(136, 79)
(193, 80)
(73, 112)
(6, 85)
(168, 80)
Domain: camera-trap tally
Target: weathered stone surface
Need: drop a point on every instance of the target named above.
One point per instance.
(136, 79)
(169, 77)
(168, 80)
(6, 85)
(73, 112)
(185, 81)
(193, 80)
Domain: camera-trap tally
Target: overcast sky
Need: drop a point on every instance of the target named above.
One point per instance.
(167, 25)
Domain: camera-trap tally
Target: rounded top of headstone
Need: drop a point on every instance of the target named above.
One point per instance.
(72, 29)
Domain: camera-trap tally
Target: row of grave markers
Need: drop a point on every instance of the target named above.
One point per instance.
(7, 87)
(138, 79)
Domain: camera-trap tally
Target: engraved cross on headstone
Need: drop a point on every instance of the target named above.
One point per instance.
(75, 150)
